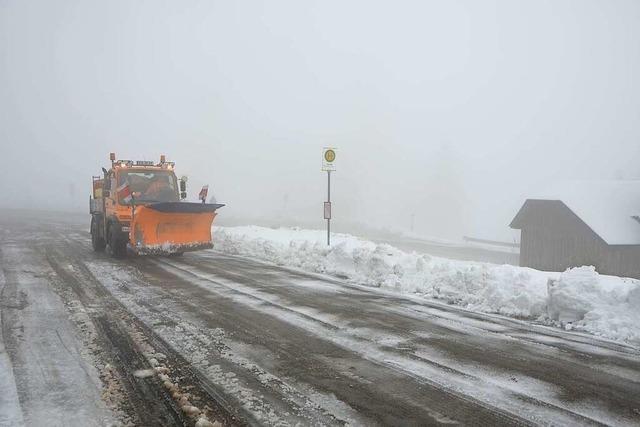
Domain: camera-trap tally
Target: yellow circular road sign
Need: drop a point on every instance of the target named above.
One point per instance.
(329, 156)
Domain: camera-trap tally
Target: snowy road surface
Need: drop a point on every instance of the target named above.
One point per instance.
(243, 342)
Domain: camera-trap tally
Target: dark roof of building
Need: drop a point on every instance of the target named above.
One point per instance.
(610, 208)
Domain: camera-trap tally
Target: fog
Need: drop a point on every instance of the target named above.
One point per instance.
(447, 112)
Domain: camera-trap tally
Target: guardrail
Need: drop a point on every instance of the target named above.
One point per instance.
(491, 242)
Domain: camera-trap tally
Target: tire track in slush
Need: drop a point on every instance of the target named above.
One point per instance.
(237, 401)
(571, 370)
(527, 408)
(391, 398)
(509, 404)
(152, 403)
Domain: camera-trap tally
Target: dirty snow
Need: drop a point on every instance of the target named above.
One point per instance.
(194, 340)
(144, 373)
(578, 299)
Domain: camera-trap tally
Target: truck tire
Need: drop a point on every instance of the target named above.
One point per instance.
(97, 240)
(116, 245)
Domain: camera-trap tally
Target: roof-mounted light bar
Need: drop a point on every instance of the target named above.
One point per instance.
(129, 163)
(123, 163)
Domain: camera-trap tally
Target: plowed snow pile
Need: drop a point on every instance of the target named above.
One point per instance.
(603, 305)
(579, 298)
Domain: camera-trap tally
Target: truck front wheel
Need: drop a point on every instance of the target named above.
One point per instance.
(116, 245)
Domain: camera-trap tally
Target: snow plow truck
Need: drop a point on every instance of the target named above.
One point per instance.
(140, 207)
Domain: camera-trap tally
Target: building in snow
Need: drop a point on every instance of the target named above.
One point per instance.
(582, 223)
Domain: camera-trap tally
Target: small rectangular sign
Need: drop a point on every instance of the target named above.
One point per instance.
(327, 210)
(328, 159)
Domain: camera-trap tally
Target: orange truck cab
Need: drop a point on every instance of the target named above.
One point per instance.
(139, 206)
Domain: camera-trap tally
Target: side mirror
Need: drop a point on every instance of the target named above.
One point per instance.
(106, 193)
(107, 184)
(183, 195)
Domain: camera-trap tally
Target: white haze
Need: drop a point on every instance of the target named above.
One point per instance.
(453, 111)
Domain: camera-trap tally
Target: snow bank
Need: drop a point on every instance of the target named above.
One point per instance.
(579, 298)
(603, 305)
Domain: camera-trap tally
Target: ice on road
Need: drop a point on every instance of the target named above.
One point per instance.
(42, 364)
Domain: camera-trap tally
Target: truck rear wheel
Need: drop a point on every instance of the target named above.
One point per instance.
(97, 240)
(116, 245)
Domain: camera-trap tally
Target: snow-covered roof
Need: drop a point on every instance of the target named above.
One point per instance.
(608, 207)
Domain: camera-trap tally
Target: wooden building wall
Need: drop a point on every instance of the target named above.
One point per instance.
(622, 261)
(554, 250)
(553, 238)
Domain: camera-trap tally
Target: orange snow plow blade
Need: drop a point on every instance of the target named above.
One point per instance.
(172, 227)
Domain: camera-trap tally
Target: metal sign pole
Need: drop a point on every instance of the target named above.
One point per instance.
(329, 201)
(328, 158)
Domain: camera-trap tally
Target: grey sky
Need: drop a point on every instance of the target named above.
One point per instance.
(454, 111)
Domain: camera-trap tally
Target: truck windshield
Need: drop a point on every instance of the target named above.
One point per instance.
(149, 186)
